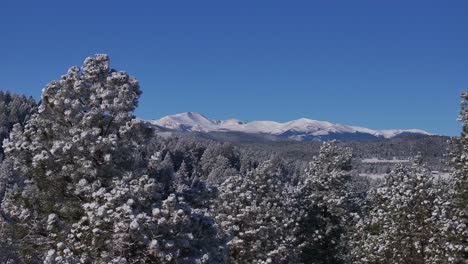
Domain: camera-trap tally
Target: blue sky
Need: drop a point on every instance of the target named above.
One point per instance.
(379, 64)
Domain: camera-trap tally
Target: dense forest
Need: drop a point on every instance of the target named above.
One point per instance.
(82, 180)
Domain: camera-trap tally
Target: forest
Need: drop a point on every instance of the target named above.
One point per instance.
(82, 180)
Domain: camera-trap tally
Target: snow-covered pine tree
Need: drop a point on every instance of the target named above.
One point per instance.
(221, 169)
(324, 199)
(256, 212)
(13, 109)
(459, 219)
(218, 162)
(165, 172)
(195, 191)
(182, 178)
(406, 221)
(86, 197)
(8, 178)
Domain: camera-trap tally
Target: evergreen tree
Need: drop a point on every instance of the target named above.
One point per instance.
(8, 179)
(220, 170)
(405, 223)
(13, 109)
(256, 212)
(325, 201)
(182, 178)
(87, 196)
(459, 219)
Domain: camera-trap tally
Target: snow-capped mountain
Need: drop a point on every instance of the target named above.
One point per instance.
(300, 129)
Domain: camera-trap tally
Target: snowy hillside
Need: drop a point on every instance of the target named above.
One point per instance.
(300, 129)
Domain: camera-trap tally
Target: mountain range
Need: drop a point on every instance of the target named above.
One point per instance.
(302, 129)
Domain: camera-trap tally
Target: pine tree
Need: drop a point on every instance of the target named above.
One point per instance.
(13, 109)
(182, 178)
(8, 179)
(459, 219)
(218, 162)
(256, 213)
(405, 223)
(88, 196)
(221, 169)
(324, 199)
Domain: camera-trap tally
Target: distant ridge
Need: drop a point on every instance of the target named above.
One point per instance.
(302, 129)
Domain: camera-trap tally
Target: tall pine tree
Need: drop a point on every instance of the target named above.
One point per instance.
(87, 196)
(459, 220)
(325, 201)
(406, 220)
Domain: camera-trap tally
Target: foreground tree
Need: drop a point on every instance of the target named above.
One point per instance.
(87, 196)
(459, 219)
(256, 212)
(325, 201)
(406, 221)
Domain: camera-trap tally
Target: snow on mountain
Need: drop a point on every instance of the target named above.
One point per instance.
(300, 129)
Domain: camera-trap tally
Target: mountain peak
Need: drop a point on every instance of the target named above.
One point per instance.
(299, 129)
(191, 115)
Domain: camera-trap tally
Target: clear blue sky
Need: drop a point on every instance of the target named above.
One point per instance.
(380, 64)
